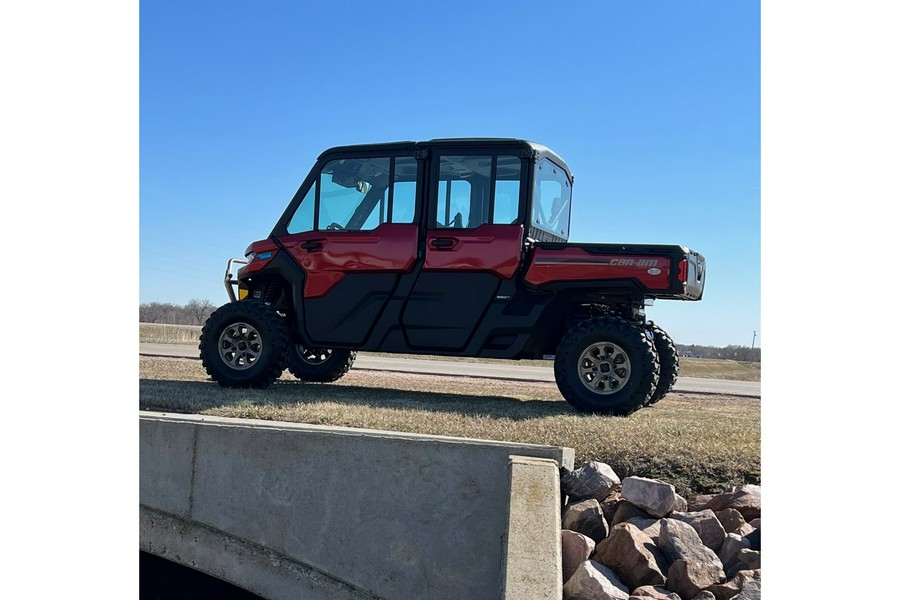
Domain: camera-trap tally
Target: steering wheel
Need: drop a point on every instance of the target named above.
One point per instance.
(335, 227)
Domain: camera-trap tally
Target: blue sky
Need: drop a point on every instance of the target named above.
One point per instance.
(654, 105)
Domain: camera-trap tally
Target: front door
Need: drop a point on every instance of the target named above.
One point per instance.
(356, 236)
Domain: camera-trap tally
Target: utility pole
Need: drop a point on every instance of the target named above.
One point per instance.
(753, 343)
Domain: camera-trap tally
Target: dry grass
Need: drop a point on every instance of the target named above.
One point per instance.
(157, 333)
(699, 443)
(707, 368)
(715, 368)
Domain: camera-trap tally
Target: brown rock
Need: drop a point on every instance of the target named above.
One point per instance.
(609, 505)
(678, 540)
(656, 497)
(649, 592)
(699, 502)
(592, 480)
(632, 555)
(729, 589)
(730, 547)
(749, 559)
(751, 592)
(687, 578)
(694, 566)
(751, 586)
(593, 581)
(649, 526)
(625, 511)
(746, 499)
(576, 548)
(731, 520)
(587, 518)
(706, 525)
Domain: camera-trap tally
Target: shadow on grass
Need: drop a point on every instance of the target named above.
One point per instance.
(194, 397)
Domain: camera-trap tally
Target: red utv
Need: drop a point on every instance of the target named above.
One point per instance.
(454, 247)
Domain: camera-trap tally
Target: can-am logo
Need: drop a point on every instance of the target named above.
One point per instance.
(634, 262)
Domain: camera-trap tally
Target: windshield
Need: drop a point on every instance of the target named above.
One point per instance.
(552, 198)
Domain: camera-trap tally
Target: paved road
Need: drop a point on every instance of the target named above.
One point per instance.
(491, 370)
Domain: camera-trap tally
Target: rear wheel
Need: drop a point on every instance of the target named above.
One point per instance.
(606, 365)
(668, 362)
(245, 344)
(317, 364)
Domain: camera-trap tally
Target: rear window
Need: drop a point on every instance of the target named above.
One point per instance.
(552, 198)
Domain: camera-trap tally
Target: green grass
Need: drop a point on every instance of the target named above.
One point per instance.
(699, 443)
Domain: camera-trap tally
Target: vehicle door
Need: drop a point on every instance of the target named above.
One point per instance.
(354, 234)
(473, 242)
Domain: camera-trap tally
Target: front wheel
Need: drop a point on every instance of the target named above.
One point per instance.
(245, 344)
(318, 364)
(606, 365)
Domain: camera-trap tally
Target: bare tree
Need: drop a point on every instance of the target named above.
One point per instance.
(156, 312)
(199, 310)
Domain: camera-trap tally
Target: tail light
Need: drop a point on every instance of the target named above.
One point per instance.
(682, 271)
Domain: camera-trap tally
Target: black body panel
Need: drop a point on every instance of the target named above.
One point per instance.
(445, 308)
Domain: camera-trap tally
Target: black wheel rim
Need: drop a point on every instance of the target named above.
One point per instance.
(313, 356)
(604, 368)
(240, 346)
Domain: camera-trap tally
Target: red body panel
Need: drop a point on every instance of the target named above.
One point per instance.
(576, 264)
(489, 248)
(387, 248)
(265, 251)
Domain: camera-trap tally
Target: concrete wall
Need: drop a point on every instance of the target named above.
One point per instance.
(288, 510)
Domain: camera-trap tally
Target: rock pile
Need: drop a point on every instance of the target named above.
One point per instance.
(638, 538)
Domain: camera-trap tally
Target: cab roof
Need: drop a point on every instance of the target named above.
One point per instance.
(538, 151)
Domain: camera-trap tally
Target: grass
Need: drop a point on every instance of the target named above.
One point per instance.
(708, 368)
(157, 333)
(699, 443)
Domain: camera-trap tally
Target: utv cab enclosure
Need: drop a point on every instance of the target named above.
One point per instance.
(454, 247)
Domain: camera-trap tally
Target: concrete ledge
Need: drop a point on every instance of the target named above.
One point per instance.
(379, 514)
(533, 561)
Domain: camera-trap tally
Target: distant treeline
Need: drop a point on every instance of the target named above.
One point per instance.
(741, 353)
(196, 312)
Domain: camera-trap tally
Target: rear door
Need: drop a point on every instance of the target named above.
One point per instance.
(473, 242)
(355, 234)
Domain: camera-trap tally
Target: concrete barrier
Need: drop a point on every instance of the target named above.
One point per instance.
(289, 510)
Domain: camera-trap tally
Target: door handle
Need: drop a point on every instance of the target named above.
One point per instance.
(444, 243)
(312, 245)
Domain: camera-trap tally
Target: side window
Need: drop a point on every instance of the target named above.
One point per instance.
(303, 219)
(351, 192)
(377, 216)
(474, 190)
(403, 198)
(506, 191)
(359, 194)
(454, 201)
